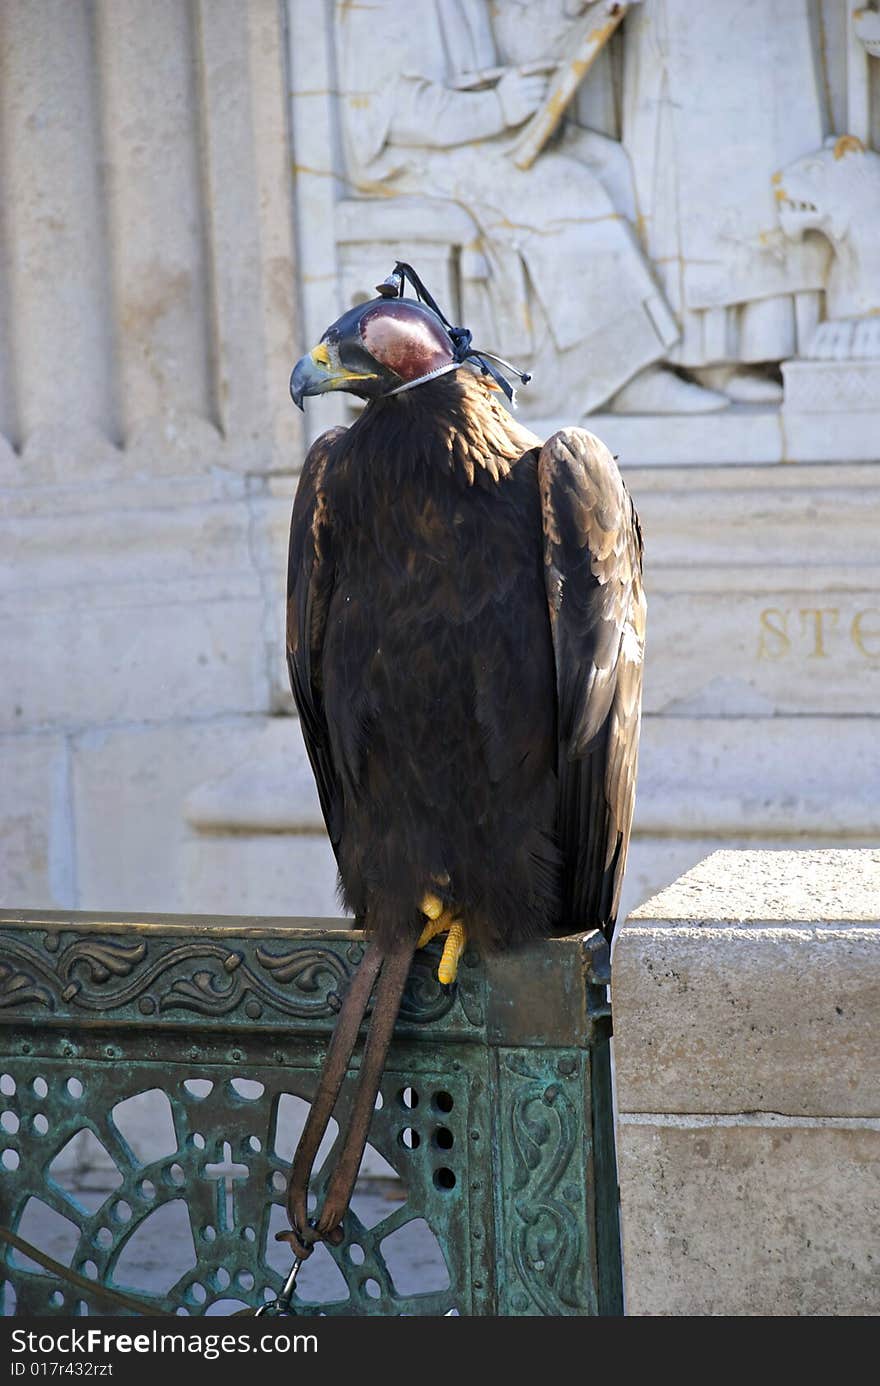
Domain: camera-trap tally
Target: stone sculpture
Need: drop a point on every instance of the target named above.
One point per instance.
(836, 191)
(714, 100)
(429, 111)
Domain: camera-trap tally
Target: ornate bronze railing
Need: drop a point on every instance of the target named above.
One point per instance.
(495, 1114)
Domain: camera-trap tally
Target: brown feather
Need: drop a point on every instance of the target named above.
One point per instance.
(465, 636)
(593, 564)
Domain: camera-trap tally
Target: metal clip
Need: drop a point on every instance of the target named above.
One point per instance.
(280, 1306)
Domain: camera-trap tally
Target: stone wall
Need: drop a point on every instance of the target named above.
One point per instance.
(148, 327)
(747, 1054)
(176, 226)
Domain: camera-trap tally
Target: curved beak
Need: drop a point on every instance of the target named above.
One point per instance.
(315, 374)
(312, 375)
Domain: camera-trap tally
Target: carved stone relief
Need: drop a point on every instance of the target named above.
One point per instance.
(836, 191)
(652, 214)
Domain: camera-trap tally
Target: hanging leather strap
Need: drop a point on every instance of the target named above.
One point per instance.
(388, 997)
(339, 1052)
(393, 971)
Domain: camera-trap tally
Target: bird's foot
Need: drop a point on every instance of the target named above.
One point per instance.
(443, 921)
(433, 907)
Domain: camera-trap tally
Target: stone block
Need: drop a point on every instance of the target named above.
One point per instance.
(257, 843)
(158, 829)
(831, 409)
(758, 777)
(753, 984)
(272, 793)
(827, 887)
(128, 534)
(750, 1217)
(747, 436)
(127, 662)
(739, 435)
(738, 652)
(37, 867)
(747, 1052)
(276, 874)
(747, 528)
(655, 862)
(850, 436)
(131, 609)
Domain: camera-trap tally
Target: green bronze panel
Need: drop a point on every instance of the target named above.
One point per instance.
(492, 1127)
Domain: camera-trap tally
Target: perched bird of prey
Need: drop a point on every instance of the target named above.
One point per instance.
(466, 631)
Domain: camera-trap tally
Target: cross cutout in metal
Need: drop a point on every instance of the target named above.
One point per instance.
(228, 1172)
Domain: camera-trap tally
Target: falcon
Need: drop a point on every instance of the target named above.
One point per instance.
(465, 638)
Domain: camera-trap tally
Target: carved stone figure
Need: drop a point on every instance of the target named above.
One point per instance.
(836, 191)
(866, 25)
(427, 110)
(639, 263)
(589, 134)
(716, 99)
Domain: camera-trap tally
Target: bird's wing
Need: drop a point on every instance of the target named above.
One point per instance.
(593, 569)
(310, 571)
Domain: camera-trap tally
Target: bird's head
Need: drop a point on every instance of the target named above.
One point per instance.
(381, 346)
(390, 344)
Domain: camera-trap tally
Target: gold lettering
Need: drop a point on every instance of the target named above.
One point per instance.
(818, 613)
(779, 634)
(860, 635)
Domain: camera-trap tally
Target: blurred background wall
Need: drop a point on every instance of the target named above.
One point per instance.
(179, 220)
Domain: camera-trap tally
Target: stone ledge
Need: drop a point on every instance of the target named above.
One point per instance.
(743, 435)
(159, 787)
(753, 984)
(833, 796)
(277, 796)
(753, 887)
(739, 776)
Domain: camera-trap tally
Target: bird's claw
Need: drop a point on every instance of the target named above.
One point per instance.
(442, 921)
(452, 951)
(432, 906)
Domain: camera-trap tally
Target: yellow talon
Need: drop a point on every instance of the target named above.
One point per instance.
(434, 927)
(442, 921)
(452, 951)
(432, 906)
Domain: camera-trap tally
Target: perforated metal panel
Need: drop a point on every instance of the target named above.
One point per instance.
(494, 1113)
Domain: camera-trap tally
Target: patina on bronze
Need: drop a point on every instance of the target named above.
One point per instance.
(501, 1088)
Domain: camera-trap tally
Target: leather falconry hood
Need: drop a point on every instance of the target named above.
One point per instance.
(390, 344)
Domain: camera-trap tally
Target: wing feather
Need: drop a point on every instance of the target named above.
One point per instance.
(593, 574)
(310, 572)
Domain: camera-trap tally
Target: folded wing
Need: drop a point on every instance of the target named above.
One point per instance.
(309, 588)
(593, 573)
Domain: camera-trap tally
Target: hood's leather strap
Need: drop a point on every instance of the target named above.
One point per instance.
(460, 337)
